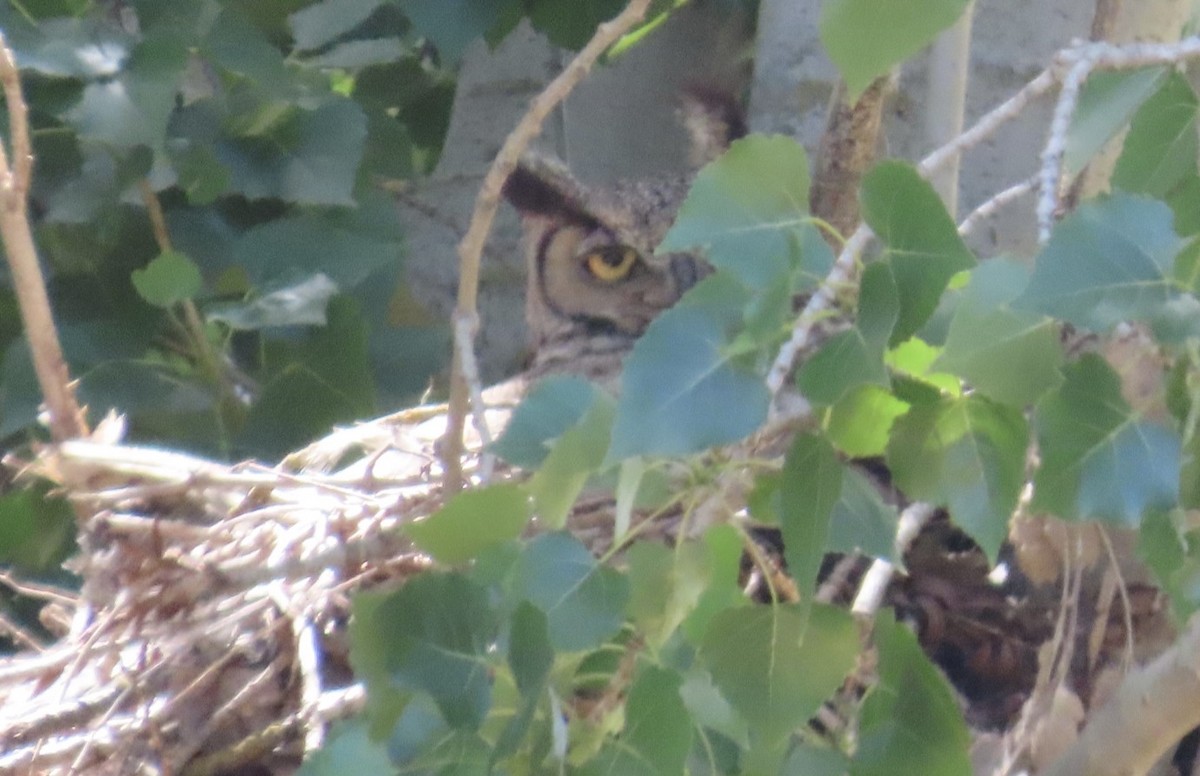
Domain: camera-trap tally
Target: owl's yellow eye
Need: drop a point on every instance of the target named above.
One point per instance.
(610, 264)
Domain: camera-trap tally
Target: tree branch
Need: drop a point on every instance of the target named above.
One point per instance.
(66, 418)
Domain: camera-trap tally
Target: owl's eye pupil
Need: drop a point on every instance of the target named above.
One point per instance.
(610, 264)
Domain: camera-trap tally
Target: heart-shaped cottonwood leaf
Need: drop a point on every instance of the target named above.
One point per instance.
(682, 391)
(1013, 356)
(775, 666)
(747, 210)
(911, 722)
(472, 521)
(968, 455)
(866, 38)
(584, 602)
(551, 407)
(573, 459)
(347, 252)
(437, 634)
(322, 23)
(1099, 460)
(1160, 148)
(314, 160)
(1106, 104)
(658, 730)
(862, 521)
(453, 24)
(811, 487)
(1111, 260)
(169, 278)
(923, 245)
(133, 108)
(666, 585)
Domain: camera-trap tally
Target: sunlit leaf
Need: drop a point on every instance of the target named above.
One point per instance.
(471, 521)
(170, 278)
(296, 301)
(866, 38)
(775, 666)
(665, 587)
(573, 459)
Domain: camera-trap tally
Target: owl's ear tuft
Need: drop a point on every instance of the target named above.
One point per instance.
(539, 187)
(713, 118)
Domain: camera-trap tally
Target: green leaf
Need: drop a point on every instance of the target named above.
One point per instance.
(453, 24)
(1160, 148)
(910, 720)
(297, 301)
(573, 459)
(311, 157)
(722, 557)
(1099, 460)
(169, 278)
(658, 729)
(855, 357)
(1171, 550)
(471, 521)
(922, 240)
(665, 587)
(349, 748)
(1012, 356)
(860, 424)
(866, 38)
(345, 251)
(811, 760)
(775, 666)
(133, 108)
(583, 601)
(1107, 102)
(812, 486)
(530, 657)
(574, 28)
(968, 455)
(681, 390)
(1111, 260)
(861, 521)
(747, 210)
(36, 530)
(435, 634)
(322, 23)
(551, 406)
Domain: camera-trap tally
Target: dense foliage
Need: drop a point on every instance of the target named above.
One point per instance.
(273, 306)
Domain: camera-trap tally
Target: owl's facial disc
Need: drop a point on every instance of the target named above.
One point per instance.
(587, 275)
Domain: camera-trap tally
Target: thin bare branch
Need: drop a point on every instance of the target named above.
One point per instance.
(471, 247)
(66, 418)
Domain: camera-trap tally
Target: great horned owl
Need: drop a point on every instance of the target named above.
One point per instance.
(594, 283)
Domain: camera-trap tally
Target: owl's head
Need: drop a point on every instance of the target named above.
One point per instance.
(594, 282)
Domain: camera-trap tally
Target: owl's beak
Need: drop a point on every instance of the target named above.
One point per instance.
(687, 271)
